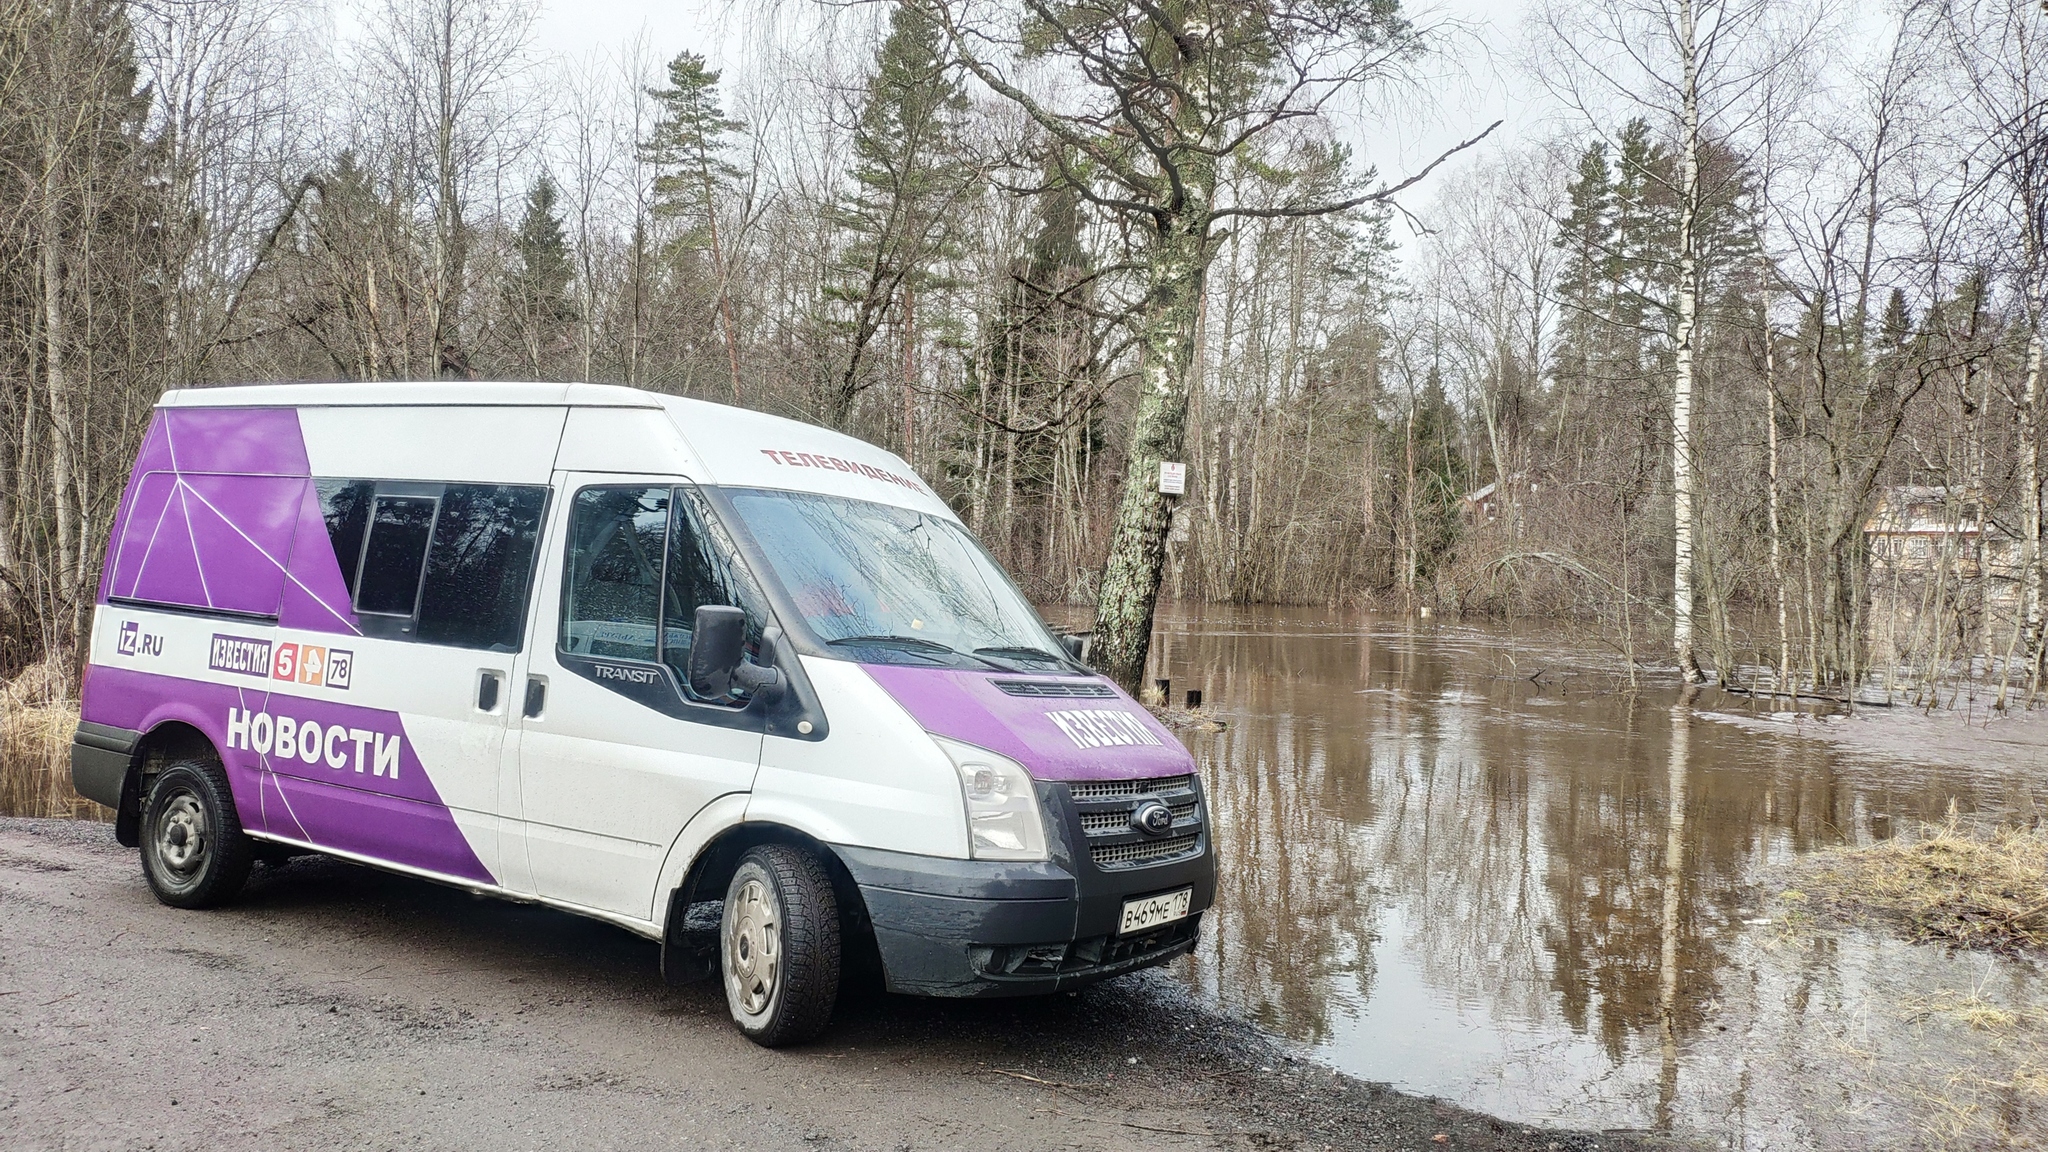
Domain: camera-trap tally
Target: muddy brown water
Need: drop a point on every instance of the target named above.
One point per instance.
(1470, 862)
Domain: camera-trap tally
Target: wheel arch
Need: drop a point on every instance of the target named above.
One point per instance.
(686, 955)
(167, 742)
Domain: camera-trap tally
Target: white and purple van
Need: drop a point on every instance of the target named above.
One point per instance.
(624, 654)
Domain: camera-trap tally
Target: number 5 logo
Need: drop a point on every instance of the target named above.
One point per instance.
(286, 666)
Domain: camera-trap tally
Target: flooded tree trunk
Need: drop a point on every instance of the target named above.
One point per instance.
(1137, 551)
(1684, 466)
(1773, 499)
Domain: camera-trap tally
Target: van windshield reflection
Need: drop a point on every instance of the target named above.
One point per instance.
(891, 585)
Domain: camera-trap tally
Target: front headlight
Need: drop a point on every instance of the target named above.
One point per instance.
(1003, 819)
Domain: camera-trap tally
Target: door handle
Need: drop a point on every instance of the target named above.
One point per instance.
(536, 697)
(488, 685)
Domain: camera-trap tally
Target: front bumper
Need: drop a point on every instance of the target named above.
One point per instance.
(972, 928)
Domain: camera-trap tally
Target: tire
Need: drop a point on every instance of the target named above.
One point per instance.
(193, 850)
(778, 946)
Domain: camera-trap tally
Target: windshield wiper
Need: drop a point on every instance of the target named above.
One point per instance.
(917, 643)
(1021, 650)
(909, 641)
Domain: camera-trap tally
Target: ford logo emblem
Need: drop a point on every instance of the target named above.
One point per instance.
(1152, 818)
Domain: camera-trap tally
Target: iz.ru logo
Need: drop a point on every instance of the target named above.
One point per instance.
(133, 641)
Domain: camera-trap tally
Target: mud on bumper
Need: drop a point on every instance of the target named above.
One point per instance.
(965, 928)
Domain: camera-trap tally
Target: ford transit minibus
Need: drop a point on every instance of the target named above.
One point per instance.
(625, 655)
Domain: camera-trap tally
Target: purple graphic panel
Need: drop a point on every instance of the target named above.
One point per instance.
(219, 514)
(153, 556)
(1055, 738)
(333, 775)
(315, 598)
(241, 529)
(154, 456)
(251, 441)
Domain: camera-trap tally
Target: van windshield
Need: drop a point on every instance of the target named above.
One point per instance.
(888, 585)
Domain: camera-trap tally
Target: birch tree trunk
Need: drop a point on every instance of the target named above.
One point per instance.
(722, 274)
(1774, 498)
(55, 371)
(2030, 484)
(1684, 467)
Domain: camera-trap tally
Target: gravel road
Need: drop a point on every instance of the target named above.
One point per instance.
(336, 1006)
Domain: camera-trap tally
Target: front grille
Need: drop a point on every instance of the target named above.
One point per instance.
(1115, 820)
(1065, 689)
(1104, 809)
(1118, 789)
(1143, 851)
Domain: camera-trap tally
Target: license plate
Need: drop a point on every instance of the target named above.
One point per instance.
(1152, 911)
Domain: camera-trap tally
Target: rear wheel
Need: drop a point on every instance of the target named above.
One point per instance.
(779, 946)
(193, 850)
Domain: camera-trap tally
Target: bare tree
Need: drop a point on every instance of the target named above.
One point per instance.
(443, 77)
(1167, 93)
(1697, 65)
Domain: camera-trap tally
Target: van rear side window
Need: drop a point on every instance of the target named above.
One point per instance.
(400, 527)
(479, 566)
(444, 564)
(345, 505)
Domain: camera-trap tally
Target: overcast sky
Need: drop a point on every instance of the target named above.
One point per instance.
(1477, 86)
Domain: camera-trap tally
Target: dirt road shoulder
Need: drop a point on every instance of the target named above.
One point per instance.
(338, 1006)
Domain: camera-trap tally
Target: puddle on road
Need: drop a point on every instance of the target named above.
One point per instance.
(1451, 862)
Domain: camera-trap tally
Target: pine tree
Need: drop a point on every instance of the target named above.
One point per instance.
(1585, 278)
(537, 295)
(687, 150)
(1644, 235)
(910, 181)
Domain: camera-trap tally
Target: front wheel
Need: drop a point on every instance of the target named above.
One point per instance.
(193, 850)
(779, 946)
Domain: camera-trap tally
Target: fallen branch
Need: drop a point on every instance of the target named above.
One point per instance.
(1034, 1079)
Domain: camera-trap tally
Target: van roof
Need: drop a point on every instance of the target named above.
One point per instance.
(734, 446)
(425, 393)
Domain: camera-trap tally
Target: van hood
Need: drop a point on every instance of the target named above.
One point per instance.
(1104, 735)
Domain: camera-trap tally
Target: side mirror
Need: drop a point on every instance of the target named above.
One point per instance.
(717, 644)
(1076, 644)
(718, 657)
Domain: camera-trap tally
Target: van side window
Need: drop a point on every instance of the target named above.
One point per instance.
(702, 569)
(611, 593)
(345, 505)
(480, 566)
(400, 527)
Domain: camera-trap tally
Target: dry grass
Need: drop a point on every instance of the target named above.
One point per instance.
(1185, 719)
(1953, 885)
(36, 722)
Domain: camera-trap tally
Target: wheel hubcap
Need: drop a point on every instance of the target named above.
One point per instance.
(753, 947)
(181, 834)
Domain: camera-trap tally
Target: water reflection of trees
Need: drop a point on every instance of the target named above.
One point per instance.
(1523, 838)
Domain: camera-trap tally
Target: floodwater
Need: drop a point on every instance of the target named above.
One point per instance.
(1468, 862)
